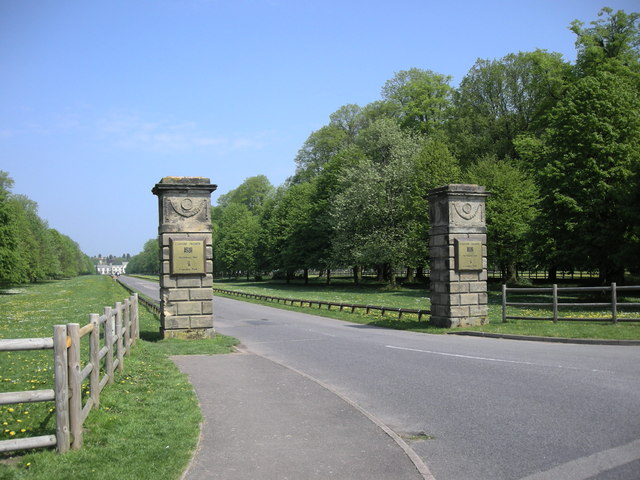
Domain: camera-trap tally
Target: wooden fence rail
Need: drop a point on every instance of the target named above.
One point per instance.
(119, 329)
(612, 305)
(321, 303)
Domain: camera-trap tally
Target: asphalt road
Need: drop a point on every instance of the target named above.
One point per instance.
(472, 408)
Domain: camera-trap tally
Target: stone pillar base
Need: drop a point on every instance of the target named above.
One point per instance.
(454, 322)
(188, 334)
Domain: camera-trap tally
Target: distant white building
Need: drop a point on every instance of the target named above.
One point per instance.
(109, 269)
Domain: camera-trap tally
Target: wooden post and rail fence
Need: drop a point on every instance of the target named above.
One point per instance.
(118, 328)
(612, 305)
(320, 303)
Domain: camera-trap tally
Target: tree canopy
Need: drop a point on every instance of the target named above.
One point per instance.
(30, 251)
(556, 144)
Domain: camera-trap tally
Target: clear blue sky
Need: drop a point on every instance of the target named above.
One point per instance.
(101, 99)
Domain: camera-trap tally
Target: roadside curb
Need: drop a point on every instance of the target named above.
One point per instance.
(417, 461)
(581, 341)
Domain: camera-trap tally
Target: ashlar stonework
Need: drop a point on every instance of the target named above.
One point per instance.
(186, 256)
(458, 253)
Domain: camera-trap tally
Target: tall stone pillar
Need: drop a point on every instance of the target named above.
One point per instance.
(458, 251)
(186, 256)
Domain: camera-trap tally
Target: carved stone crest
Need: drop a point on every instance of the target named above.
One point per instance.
(468, 211)
(188, 207)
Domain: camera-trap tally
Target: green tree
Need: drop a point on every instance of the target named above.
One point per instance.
(421, 99)
(591, 174)
(591, 150)
(35, 246)
(146, 262)
(237, 239)
(371, 213)
(498, 100)
(252, 193)
(12, 264)
(289, 238)
(510, 212)
(435, 166)
(612, 42)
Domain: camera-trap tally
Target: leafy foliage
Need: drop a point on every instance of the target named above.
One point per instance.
(30, 251)
(556, 144)
(148, 261)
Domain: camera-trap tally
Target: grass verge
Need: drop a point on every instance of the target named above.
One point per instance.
(417, 296)
(148, 422)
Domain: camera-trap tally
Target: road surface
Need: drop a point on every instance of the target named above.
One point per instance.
(471, 408)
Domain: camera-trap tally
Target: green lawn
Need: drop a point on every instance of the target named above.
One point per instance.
(417, 297)
(148, 422)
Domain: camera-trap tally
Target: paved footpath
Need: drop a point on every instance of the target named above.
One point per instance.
(265, 421)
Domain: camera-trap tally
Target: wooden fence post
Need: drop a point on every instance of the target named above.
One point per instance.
(109, 328)
(119, 342)
(136, 318)
(555, 303)
(126, 326)
(75, 386)
(61, 387)
(504, 303)
(94, 356)
(614, 303)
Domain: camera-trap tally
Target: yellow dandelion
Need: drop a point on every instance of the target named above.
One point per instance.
(10, 410)
(12, 433)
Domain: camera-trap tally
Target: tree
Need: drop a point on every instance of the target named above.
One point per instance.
(510, 212)
(252, 193)
(422, 99)
(237, 239)
(612, 42)
(501, 99)
(594, 150)
(435, 166)
(371, 213)
(35, 247)
(148, 261)
(289, 240)
(12, 265)
(591, 150)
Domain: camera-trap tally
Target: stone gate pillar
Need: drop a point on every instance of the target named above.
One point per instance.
(458, 251)
(186, 256)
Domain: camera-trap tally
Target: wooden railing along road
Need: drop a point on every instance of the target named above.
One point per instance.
(320, 303)
(555, 304)
(118, 328)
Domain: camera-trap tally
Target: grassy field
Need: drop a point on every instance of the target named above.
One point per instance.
(148, 422)
(417, 297)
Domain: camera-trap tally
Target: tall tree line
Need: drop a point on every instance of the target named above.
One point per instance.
(30, 251)
(556, 144)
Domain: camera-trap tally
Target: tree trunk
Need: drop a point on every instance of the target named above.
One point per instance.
(380, 273)
(357, 274)
(410, 274)
(306, 276)
(553, 274)
(328, 276)
(512, 274)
